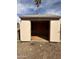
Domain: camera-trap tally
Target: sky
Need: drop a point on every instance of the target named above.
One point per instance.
(28, 7)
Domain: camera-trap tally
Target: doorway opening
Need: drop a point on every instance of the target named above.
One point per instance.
(40, 30)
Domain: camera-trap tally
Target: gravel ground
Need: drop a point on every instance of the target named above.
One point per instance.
(38, 50)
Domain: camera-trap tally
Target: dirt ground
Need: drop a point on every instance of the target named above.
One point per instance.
(38, 50)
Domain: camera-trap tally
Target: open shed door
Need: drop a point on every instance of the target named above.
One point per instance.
(55, 31)
(25, 30)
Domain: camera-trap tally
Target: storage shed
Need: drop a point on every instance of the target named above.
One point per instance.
(46, 27)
